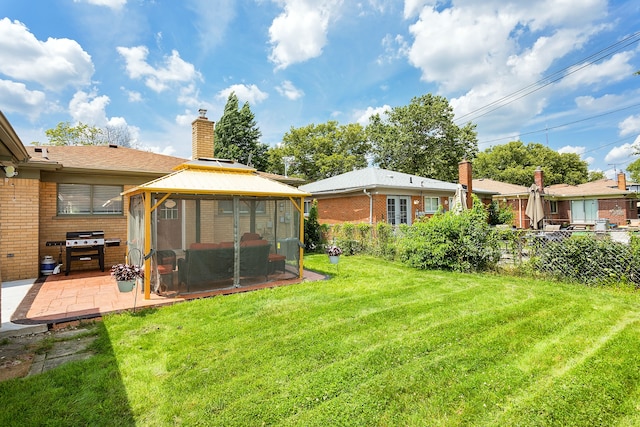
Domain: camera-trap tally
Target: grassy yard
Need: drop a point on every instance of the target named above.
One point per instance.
(379, 344)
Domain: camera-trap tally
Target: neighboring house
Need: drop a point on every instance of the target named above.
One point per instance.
(583, 204)
(588, 203)
(378, 195)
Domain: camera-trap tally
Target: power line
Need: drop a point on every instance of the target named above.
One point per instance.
(554, 77)
(547, 128)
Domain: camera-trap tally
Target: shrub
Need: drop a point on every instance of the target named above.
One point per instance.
(449, 241)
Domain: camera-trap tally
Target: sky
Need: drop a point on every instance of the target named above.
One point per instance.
(555, 72)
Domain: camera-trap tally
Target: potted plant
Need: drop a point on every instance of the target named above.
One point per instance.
(126, 276)
(334, 253)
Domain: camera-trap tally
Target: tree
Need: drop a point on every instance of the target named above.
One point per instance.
(422, 139)
(595, 176)
(515, 163)
(237, 135)
(321, 151)
(634, 170)
(80, 134)
(117, 135)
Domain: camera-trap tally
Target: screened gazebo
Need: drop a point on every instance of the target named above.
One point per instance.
(215, 224)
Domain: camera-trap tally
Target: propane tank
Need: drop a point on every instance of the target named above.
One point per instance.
(47, 266)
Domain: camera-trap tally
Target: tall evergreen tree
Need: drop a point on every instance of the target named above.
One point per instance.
(237, 135)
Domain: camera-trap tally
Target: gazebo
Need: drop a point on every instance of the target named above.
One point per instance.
(215, 224)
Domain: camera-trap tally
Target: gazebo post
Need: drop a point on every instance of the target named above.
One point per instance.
(147, 244)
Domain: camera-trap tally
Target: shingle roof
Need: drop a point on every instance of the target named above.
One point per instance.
(103, 158)
(502, 188)
(601, 187)
(374, 178)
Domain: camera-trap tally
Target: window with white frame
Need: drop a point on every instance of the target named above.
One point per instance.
(307, 207)
(431, 204)
(88, 199)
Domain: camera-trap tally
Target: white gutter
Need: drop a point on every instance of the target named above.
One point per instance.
(370, 206)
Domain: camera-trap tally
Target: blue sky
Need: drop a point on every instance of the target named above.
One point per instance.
(150, 65)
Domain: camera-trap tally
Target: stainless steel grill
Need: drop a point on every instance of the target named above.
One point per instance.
(85, 246)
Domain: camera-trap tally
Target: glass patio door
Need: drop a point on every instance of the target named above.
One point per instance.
(584, 211)
(398, 210)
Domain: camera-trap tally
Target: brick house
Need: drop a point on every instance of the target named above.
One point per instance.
(372, 195)
(604, 199)
(583, 204)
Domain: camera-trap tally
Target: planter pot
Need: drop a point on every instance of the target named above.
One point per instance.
(334, 259)
(126, 285)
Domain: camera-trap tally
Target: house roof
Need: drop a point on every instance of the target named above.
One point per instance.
(501, 188)
(218, 177)
(11, 148)
(371, 177)
(601, 187)
(103, 158)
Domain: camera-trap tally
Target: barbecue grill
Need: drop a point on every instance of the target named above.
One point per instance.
(85, 246)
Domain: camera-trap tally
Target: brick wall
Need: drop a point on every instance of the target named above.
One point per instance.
(617, 211)
(19, 258)
(53, 227)
(355, 209)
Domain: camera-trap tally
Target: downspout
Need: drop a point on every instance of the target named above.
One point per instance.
(370, 206)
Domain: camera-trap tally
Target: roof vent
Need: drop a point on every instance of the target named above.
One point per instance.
(113, 145)
(43, 151)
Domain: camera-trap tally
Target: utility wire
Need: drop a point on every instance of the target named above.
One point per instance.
(561, 125)
(546, 81)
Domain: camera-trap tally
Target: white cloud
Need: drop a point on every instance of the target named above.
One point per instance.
(605, 102)
(89, 108)
(111, 4)
(245, 93)
(173, 71)
(54, 64)
(132, 95)
(572, 149)
(614, 69)
(620, 155)
(394, 47)
(288, 90)
(15, 97)
(363, 117)
(300, 32)
(629, 125)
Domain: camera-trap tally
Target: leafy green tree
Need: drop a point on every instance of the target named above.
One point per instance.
(634, 170)
(237, 135)
(80, 134)
(320, 151)
(421, 138)
(515, 163)
(595, 176)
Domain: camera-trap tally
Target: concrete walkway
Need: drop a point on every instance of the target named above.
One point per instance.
(12, 295)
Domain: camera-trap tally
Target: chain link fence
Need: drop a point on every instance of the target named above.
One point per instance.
(609, 257)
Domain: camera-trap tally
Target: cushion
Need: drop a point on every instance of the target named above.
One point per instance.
(253, 243)
(250, 236)
(203, 246)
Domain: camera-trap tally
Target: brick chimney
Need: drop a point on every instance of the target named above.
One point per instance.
(538, 178)
(465, 177)
(202, 137)
(622, 181)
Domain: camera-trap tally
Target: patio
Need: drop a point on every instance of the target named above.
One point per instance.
(91, 294)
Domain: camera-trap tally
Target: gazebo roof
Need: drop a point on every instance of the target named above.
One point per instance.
(217, 177)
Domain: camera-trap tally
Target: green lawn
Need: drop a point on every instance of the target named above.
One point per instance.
(379, 344)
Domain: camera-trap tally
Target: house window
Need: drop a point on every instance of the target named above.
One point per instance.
(553, 206)
(431, 204)
(226, 206)
(87, 199)
(307, 207)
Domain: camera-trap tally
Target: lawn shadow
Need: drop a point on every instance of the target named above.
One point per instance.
(86, 392)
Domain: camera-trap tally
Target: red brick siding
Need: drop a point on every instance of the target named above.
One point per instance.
(53, 227)
(19, 200)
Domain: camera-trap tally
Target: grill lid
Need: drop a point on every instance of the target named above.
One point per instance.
(75, 235)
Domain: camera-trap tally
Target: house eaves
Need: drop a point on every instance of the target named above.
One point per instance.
(12, 150)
